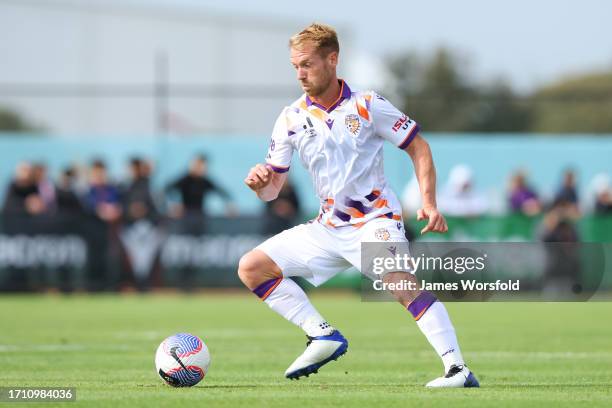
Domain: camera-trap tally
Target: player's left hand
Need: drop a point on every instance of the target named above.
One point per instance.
(436, 223)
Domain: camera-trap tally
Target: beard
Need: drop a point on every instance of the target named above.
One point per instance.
(314, 90)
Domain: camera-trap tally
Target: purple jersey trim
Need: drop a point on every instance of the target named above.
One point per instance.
(278, 169)
(345, 93)
(410, 136)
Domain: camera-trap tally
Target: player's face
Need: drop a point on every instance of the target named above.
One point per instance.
(315, 72)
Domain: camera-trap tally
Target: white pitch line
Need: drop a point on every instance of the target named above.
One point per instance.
(29, 348)
(541, 354)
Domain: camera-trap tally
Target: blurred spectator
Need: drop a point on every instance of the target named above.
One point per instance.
(140, 236)
(137, 197)
(603, 203)
(46, 188)
(601, 189)
(559, 221)
(282, 213)
(567, 192)
(523, 198)
(458, 197)
(562, 270)
(102, 197)
(146, 168)
(22, 196)
(194, 187)
(67, 199)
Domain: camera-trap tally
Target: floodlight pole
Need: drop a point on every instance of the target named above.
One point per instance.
(161, 92)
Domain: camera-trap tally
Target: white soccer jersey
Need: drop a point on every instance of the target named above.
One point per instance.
(342, 148)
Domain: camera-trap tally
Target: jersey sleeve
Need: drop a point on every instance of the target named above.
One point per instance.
(391, 124)
(280, 150)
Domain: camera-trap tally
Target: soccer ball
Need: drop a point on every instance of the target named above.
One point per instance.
(182, 360)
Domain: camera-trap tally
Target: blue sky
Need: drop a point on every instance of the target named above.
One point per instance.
(527, 42)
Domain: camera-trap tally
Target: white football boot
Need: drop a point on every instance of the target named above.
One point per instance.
(458, 376)
(320, 350)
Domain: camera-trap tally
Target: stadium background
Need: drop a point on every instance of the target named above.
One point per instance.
(92, 80)
(164, 84)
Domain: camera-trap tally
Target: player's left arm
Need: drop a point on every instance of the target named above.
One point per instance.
(425, 172)
(396, 127)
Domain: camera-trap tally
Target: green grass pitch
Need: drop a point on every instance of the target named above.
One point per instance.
(524, 354)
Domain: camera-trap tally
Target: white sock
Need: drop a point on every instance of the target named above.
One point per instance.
(437, 327)
(286, 298)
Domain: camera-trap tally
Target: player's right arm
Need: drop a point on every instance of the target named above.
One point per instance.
(266, 180)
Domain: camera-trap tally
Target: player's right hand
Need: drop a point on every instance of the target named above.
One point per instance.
(259, 177)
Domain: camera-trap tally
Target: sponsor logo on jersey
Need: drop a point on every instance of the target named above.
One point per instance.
(382, 234)
(402, 122)
(352, 123)
(309, 130)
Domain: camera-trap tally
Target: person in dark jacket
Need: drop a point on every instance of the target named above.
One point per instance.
(194, 187)
(67, 199)
(22, 196)
(137, 198)
(282, 213)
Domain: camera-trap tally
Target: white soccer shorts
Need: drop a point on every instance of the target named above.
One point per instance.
(317, 253)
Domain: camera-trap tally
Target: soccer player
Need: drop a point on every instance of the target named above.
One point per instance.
(339, 134)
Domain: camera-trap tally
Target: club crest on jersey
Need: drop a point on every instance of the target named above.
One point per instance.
(352, 123)
(382, 234)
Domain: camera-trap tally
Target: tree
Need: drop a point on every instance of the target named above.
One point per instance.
(578, 104)
(11, 121)
(437, 92)
(499, 110)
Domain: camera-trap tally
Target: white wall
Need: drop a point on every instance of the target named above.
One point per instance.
(66, 44)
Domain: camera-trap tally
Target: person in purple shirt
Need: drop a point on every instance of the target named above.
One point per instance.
(523, 199)
(102, 198)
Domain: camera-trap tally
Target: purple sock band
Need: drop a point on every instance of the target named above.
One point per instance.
(421, 303)
(264, 290)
